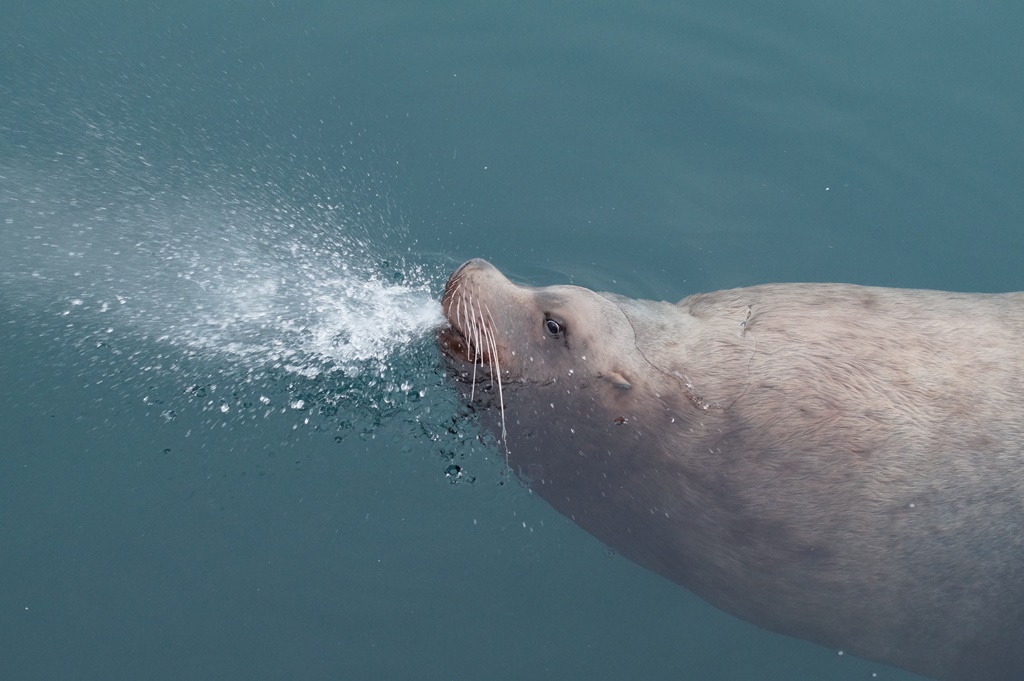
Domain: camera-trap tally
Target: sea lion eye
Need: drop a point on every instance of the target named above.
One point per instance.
(553, 327)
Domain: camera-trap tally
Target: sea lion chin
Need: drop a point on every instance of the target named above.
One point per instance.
(840, 463)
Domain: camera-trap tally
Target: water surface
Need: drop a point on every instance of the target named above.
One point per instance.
(229, 450)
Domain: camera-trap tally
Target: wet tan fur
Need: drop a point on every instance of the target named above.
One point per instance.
(835, 462)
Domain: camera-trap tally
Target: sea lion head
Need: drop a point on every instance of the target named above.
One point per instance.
(549, 335)
(591, 396)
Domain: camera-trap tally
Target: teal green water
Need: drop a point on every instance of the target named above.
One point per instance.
(226, 447)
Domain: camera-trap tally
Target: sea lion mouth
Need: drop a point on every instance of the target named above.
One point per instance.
(469, 336)
(467, 359)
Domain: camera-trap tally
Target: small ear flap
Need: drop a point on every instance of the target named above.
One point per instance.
(617, 379)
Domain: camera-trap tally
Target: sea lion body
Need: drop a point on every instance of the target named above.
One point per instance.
(840, 463)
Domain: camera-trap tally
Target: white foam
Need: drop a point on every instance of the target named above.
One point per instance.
(310, 326)
(162, 264)
(238, 274)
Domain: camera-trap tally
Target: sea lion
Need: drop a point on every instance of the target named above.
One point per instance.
(839, 463)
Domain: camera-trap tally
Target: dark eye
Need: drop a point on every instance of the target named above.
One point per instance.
(553, 327)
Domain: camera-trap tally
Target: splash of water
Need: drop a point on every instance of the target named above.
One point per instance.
(205, 262)
(249, 285)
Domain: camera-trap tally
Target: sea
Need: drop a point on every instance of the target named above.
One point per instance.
(229, 448)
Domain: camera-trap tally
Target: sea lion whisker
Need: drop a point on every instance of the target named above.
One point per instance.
(477, 357)
(485, 339)
(496, 370)
(467, 319)
(463, 314)
(464, 324)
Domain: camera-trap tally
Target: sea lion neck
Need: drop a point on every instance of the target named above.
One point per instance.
(677, 344)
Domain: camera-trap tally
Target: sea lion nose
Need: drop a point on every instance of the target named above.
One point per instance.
(473, 269)
(475, 263)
